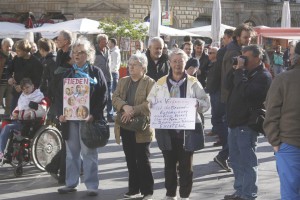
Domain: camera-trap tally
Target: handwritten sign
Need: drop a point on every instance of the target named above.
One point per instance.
(76, 98)
(173, 113)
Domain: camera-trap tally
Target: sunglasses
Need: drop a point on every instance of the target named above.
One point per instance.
(211, 52)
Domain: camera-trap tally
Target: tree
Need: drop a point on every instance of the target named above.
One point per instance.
(124, 28)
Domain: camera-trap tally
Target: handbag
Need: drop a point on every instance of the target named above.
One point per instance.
(256, 120)
(95, 134)
(136, 124)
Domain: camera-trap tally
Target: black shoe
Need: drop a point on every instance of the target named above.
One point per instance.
(222, 163)
(110, 119)
(230, 197)
(66, 190)
(217, 144)
(132, 194)
(92, 193)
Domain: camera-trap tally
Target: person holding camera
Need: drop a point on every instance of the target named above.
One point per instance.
(241, 37)
(277, 61)
(248, 82)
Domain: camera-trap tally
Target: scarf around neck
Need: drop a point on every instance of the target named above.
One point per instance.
(81, 72)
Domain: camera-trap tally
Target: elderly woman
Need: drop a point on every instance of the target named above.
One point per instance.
(129, 98)
(83, 55)
(179, 145)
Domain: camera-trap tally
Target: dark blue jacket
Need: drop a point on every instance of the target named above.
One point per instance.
(246, 89)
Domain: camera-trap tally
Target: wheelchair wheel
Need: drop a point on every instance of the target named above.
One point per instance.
(46, 143)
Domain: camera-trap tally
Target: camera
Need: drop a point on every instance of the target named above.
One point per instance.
(235, 60)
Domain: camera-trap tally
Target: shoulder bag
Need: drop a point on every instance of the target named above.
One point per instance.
(95, 134)
(137, 123)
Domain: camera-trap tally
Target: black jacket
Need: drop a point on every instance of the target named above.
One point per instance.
(156, 71)
(246, 89)
(204, 67)
(49, 63)
(25, 68)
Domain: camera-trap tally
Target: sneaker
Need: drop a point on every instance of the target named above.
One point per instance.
(132, 194)
(170, 198)
(66, 190)
(92, 192)
(184, 198)
(222, 163)
(230, 197)
(147, 197)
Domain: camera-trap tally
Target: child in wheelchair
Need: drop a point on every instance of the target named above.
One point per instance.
(31, 106)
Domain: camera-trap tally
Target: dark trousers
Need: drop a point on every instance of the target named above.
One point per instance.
(185, 160)
(219, 122)
(139, 168)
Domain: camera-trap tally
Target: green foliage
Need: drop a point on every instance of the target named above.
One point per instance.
(124, 28)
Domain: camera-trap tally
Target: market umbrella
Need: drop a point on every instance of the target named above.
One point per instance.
(169, 31)
(155, 19)
(216, 23)
(286, 15)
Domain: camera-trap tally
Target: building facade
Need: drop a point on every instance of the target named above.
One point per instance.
(186, 14)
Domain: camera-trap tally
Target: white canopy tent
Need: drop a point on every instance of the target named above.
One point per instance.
(205, 31)
(82, 26)
(168, 31)
(12, 30)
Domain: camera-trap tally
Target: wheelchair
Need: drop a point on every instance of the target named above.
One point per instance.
(36, 143)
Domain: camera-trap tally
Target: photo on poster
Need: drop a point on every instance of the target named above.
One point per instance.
(76, 101)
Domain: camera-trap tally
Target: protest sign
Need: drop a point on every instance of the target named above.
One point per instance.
(76, 101)
(173, 113)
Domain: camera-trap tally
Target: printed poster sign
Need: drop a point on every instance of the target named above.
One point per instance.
(76, 101)
(173, 113)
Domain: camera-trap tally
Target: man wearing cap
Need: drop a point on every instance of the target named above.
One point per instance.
(192, 66)
(282, 126)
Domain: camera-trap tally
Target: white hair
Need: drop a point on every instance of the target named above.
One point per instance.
(7, 40)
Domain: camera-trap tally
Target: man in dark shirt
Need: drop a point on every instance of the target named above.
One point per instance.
(158, 65)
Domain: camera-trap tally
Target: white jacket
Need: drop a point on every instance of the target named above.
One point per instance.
(115, 58)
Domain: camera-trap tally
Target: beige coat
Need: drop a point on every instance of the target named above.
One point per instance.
(141, 106)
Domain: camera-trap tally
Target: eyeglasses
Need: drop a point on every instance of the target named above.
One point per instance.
(211, 52)
(78, 52)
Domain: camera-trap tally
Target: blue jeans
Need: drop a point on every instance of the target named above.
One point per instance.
(115, 76)
(277, 69)
(75, 149)
(109, 108)
(242, 142)
(288, 167)
(219, 122)
(6, 133)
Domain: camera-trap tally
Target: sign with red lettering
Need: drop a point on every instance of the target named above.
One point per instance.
(76, 101)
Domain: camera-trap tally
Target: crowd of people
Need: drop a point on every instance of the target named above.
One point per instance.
(234, 80)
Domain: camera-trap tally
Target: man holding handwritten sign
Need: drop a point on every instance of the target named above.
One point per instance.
(176, 101)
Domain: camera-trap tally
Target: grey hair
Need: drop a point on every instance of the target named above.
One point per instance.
(67, 35)
(101, 36)
(256, 50)
(178, 52)
(88, 47)
(7, 40)
(156, 39)
(141, 58)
